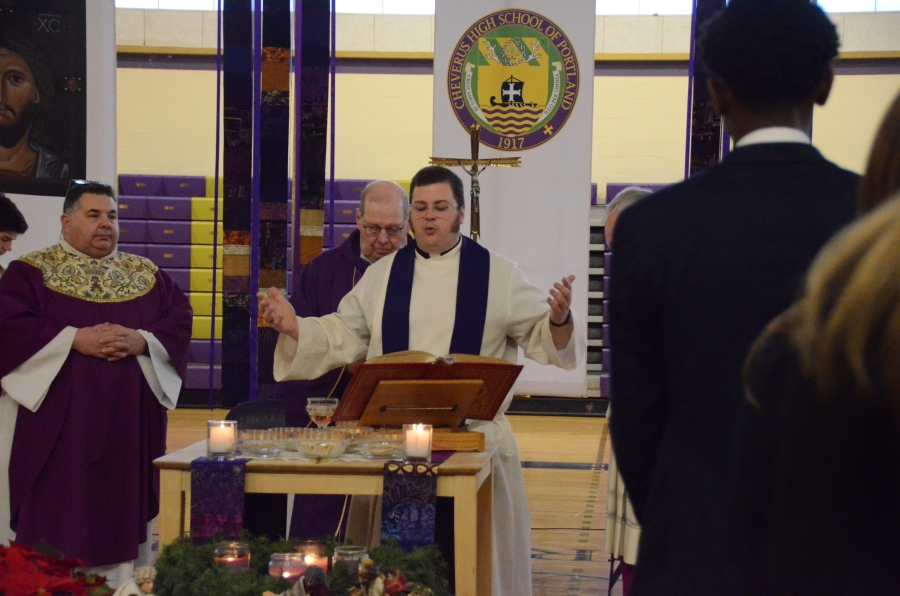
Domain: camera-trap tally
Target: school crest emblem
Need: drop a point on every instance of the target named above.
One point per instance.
(515, 73)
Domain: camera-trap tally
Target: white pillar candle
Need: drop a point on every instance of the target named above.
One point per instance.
(221, 438)
(418, 440)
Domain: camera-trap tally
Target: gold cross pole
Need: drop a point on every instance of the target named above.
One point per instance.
(473, 167)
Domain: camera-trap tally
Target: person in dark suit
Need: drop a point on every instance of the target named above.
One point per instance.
(701, 267)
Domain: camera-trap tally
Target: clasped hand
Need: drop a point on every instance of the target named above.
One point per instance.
(279, 313)
(109, 342)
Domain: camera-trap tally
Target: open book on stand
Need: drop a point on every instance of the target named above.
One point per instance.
(416, 387)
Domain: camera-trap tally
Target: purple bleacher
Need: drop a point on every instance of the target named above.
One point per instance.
(200, 351)
(593, 193)
(181, 277)
(183, 186)
(134, 249)
(178, 208)
(604, 362)
(132, 207)
(606, 310)
(133, 231)
(605, 385)
(349, 190)
(140, 185)
(607, 262)
(341, 232)
(197, 376)
(344, 212)
(605, 336)
(613, 189)
(170, 255)
(169, 232)
(606, 286)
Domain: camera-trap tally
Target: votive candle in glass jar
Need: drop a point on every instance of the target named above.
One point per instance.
(287, 566)
(417, 440)
(234, 555)
(221, 439)
(349, 556)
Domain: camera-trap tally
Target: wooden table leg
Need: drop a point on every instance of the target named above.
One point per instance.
(465, 535)
(171, 511)
(485, 540)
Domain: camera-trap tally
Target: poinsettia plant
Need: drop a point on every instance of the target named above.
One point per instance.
(27, 572)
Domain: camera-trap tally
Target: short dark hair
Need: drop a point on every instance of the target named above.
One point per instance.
(435, 175)
(11, 219)
(15, 41)
(78, 188)
(769, 53)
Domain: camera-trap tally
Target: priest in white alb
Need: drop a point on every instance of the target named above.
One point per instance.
(445, 294)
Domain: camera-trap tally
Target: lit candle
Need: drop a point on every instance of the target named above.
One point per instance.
(236, 564)
(221, 438)
(418, 441)
(287, 566)
(234, 555)
(314, 561)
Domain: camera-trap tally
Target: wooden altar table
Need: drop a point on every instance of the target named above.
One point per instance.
(466, 477)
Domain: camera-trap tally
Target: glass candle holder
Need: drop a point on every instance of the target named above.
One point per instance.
(349, 556)
(313, 553)
(287, 566)
(417, 440)
(221, 439)
(234, 555)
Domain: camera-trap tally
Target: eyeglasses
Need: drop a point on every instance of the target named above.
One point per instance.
(439, 209)
(100, 186)
(391, 231)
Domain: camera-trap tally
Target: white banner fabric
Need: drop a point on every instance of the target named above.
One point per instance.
(524, 71)
(42, 213)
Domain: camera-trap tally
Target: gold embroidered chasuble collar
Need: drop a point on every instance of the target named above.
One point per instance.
(118, 277)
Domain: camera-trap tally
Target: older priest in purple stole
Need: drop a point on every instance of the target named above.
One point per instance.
(94, 349)
(382, 227)
(445, 294)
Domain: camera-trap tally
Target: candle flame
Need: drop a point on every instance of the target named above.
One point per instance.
(420, 427)
(309, 559)
(285, 575)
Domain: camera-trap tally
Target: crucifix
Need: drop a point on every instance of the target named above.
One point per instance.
(473, 167)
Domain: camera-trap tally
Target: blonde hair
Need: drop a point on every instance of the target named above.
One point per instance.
(846, 329)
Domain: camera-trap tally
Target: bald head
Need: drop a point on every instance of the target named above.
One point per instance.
(382, 219)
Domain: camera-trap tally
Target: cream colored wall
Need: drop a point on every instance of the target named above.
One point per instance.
(166, 121)
(166, 124)
(639, 128)
(383, 125)
(844, 128)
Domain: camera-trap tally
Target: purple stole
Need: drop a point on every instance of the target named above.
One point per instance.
(471, 299)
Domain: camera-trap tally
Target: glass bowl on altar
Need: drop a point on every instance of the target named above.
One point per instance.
(381, 444)
(319, 443)
(354, 431)
(263, 442)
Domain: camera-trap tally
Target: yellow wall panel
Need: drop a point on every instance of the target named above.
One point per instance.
(203, 209)
(201, 302)
(202, 232)
(201, 327)
(202, 256)
(201, 280)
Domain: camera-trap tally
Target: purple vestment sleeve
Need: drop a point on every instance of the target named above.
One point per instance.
(23, 332)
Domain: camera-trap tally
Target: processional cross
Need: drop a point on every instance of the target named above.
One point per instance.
(473, 167)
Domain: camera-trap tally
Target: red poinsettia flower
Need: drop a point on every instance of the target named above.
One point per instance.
(24, 572)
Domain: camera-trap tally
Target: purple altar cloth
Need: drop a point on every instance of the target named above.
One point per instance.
(408, 509)
(217, 498)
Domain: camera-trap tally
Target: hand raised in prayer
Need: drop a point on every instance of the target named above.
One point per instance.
(560, 302)
(279, 313)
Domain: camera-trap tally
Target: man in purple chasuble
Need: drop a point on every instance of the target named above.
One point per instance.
(94, 349)
(382, 228)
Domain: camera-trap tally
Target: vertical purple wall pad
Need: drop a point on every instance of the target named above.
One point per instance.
(273, 174)
(237, 34)
(705, 135)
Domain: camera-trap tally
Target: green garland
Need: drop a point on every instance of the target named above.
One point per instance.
(185, 569)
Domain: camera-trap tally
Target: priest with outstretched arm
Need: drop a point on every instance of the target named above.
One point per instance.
(94, 349)
(442, 294)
